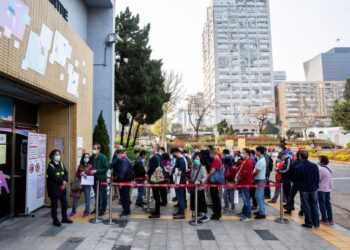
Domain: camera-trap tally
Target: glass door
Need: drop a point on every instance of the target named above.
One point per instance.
(5, 173)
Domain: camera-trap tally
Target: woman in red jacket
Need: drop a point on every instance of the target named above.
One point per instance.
(245, 177)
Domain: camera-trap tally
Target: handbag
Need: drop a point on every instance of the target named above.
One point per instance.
(192, 189)
(75, 186)
(218, 176)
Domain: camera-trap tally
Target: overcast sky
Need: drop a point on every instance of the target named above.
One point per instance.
(301, 29)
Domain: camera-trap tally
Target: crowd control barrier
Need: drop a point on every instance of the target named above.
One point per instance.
(194, 222)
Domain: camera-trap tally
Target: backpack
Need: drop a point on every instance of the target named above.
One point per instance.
(130, 173)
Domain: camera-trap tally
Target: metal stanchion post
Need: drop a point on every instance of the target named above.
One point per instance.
(196, 222)
(97, 194)
(281, 219)
(110, 221)
(148, 199)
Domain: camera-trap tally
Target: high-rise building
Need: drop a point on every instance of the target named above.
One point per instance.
(278, 77)
(237, 59)
(308, 103)
(333, 65)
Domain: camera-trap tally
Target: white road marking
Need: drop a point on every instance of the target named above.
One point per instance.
(341, 178)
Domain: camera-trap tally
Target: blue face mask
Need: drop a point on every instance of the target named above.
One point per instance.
(86, 159)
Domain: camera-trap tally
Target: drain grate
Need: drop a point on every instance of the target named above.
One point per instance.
(266, 235)
(71, 243)
(205, 234)
(52, 231)
(121, 247)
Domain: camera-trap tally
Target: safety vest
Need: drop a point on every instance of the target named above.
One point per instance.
(58, 173)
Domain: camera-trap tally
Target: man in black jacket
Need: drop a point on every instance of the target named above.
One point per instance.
(307, 178)
(295, 189)
(285, 173)
(140, 173)
(153, 164)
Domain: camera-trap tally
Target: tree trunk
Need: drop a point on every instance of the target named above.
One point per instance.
(130, 129)
(136, 134)
(164, 125)
(197, 134)
(122, 135)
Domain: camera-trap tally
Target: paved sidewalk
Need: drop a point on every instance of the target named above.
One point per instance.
(141, 233)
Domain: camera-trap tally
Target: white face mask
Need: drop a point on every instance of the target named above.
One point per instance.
(57, 158)
(94, 151)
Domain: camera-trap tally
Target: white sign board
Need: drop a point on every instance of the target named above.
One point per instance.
(36, 165)
(2, 138)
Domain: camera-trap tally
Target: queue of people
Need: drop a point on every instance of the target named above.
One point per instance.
(207, 166)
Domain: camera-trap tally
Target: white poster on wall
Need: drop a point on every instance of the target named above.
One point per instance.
(36, 165)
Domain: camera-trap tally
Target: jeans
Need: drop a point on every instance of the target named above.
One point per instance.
(215, 198)
(87, 191)
(247, 209)
(140, 192)
(252, 196)
(259, 196)
(310, 208)
(229, 197)
(180, 193)
(290, 201)
(324, 201)
(54, 205)
(125, 199)
(102, 198)
(276, 194)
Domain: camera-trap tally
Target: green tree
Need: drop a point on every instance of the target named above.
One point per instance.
(139, 87)
(270, 129)
(101, 137)
(222, 127)
(230, 130)
(341, 114)
(290, 133)
(347, 90)
(132, 53)
(312, 134)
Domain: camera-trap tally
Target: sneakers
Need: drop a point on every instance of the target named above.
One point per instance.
(154, 216)
(101, 214)
(204, 218)
(301, 214)
(71, 215)
(93, 211)
(56, 223)
(288, 212)
(179, 217)
(260, 217)
(271, 201)
(245, 219)
(67, 221)
(85, 215)
(331, 223)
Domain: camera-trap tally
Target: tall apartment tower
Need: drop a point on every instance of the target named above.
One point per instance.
(237, 56)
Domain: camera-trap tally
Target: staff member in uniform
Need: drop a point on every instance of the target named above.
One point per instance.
(57, 179)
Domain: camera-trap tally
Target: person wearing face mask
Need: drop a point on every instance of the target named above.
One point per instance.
(57, 179)
(245, 177)
(85, 169)
(198, 176)
(100, 164)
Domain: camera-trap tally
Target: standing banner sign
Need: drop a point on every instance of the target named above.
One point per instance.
(36, 162)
